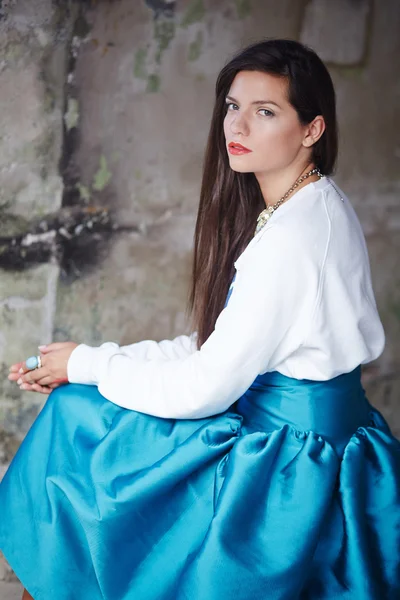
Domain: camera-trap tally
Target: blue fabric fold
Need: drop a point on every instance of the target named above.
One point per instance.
(294, 492)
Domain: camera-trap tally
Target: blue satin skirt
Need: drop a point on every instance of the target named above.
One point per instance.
(293, 493)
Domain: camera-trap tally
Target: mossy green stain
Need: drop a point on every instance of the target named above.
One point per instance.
(49, 101)
(153, 83)
(45, 144)
(84, 192)
(355, 73)
(102, 176)
(194, 12)
(12, 225)
(13, 51)
(195, 47)
(164, 33)
(243, 8)
(43, 148)
(139, 67)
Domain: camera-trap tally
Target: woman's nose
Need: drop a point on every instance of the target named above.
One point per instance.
(239, 125)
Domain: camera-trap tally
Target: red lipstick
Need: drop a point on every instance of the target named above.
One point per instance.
(237, 149)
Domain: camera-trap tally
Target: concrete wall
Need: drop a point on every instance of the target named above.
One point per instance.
(104, 112)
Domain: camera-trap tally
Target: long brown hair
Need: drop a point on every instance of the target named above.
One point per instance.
(230, 202)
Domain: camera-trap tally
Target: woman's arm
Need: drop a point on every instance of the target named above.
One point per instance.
(266, 319)
(56, 357)
(179, 347)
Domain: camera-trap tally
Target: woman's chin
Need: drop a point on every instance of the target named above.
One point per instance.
(238, 167)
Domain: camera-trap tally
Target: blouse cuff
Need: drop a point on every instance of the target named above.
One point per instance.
(85, 363)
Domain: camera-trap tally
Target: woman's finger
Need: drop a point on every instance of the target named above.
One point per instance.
(33, 376)
(35, 388)
(41, 389)
(26, 387)
(16, 367)
(50, 347)
(14, 376)
(45, 381)
(23, 368)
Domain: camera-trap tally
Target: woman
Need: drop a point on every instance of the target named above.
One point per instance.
(250, 463)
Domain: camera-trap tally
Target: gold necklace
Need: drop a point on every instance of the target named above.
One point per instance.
(266, 214)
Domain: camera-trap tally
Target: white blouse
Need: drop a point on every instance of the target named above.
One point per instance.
(302, 303)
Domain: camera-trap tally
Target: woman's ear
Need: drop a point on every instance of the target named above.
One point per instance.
(313, 131)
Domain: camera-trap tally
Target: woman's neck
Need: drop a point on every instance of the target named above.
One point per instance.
(275, 185)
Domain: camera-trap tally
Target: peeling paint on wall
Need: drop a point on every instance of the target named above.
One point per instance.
(48, 237)
(71, 117)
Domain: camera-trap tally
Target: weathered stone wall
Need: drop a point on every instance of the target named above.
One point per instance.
(104, 112)
(33, 48)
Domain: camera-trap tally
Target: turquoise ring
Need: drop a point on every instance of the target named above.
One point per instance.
(33, 362)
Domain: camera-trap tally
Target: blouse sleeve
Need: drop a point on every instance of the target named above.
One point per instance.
(266, 319)
(179, 347)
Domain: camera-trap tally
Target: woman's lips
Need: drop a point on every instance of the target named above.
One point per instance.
(237, 149)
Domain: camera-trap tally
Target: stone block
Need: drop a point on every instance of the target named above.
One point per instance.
(138, 292)
(27, 305)
(32, 68)
(337, 30)
(31, 285)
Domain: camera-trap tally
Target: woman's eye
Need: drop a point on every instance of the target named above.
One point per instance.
(267, 113)
(231, 106)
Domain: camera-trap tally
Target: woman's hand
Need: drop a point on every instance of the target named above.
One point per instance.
(52, 373)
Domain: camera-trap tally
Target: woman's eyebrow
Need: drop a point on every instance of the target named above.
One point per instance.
(257, 102)
(266, 102)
